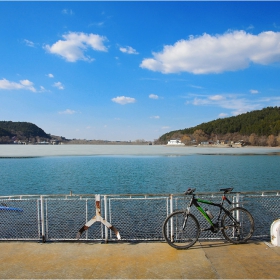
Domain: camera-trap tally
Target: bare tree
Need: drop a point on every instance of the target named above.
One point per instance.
(253, 139)
(200, 136)
(186, 139)
(271, 141)
(278, 140)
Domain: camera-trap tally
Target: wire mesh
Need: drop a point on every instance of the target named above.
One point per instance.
(64, 218)
(137, 217)
(19, 219)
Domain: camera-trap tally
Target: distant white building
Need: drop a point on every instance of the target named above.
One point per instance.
(175, 143)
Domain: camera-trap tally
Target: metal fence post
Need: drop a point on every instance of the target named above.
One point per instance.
(171, 203)
(106, 217)
(43, 220)
(171, 210)
(237, 199)
(86, 217)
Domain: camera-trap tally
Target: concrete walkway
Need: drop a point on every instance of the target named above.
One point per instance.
(207, 260)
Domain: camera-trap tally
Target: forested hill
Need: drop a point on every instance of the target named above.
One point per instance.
(21, 131)
(261, 123)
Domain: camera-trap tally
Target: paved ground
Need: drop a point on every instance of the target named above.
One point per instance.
(208, 260)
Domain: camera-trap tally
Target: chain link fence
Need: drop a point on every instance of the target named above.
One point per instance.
(137, 217)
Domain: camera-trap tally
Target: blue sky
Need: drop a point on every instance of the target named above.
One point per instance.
(136, 70)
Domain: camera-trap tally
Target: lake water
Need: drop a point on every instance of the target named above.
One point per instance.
(110, 169)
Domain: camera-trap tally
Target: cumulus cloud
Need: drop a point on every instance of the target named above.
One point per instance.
(216, 54)
(58, 85)
(123, 100)
(23, 84)
(50, 75)
(128, 50)
(153, 96)
(75, 44)
(154, 117)
(67, 112)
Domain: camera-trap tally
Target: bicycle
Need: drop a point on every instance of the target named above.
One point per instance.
(181, 228)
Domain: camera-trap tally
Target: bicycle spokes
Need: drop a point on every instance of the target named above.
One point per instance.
(237, 225)
(181, 230)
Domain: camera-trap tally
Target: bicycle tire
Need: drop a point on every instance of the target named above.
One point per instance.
(177, 237)
(237, 233)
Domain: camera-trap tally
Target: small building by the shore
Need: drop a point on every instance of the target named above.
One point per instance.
(175, 143)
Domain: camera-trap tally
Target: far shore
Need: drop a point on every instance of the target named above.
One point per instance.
(22, 151)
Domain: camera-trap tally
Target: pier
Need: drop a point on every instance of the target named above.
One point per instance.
(138, 260)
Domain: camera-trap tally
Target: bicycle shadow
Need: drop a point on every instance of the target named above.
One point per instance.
(218, 243)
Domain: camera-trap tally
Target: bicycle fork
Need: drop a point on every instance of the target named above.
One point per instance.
(181, 228)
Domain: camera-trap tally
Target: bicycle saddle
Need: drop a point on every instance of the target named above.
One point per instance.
(189, 191)
(226, 190)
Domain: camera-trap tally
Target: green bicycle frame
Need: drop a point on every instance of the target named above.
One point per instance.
(200, 209)
(195, 201)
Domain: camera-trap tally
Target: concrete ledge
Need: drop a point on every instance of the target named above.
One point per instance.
(156, 260)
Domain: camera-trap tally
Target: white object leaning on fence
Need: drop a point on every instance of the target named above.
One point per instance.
(275, 233)
(98, 218)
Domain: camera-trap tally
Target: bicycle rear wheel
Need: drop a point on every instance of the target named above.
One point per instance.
(181, 230)
(238, 225)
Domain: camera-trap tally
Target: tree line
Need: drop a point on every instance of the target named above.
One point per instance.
(21, 131)
(258, 128)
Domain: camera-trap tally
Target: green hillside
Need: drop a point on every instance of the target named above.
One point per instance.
(4, 132)
(260, 123)
(21, 131)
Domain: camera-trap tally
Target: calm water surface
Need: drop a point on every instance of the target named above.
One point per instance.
(85, 170)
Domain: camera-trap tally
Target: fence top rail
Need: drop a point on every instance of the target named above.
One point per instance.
(83, 196)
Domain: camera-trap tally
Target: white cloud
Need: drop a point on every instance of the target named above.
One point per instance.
(128, 50)
(50, 75)
(216, 97)
(75, 44)
(153, 96)
(251, 26)
(123, 100)
(198, 87)
(254, 91)
(29, 43)
(216, 54)
(223, 115)
(67, 12)
(165, 127)
(67, 112)
(154, 117)
(58, 85)
(237, 104)
(23, 84)
(42, 89)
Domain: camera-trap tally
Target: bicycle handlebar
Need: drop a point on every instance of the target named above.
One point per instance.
(191, 191)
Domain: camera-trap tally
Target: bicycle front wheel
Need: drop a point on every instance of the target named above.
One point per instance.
(238, 225)
(181, 230)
